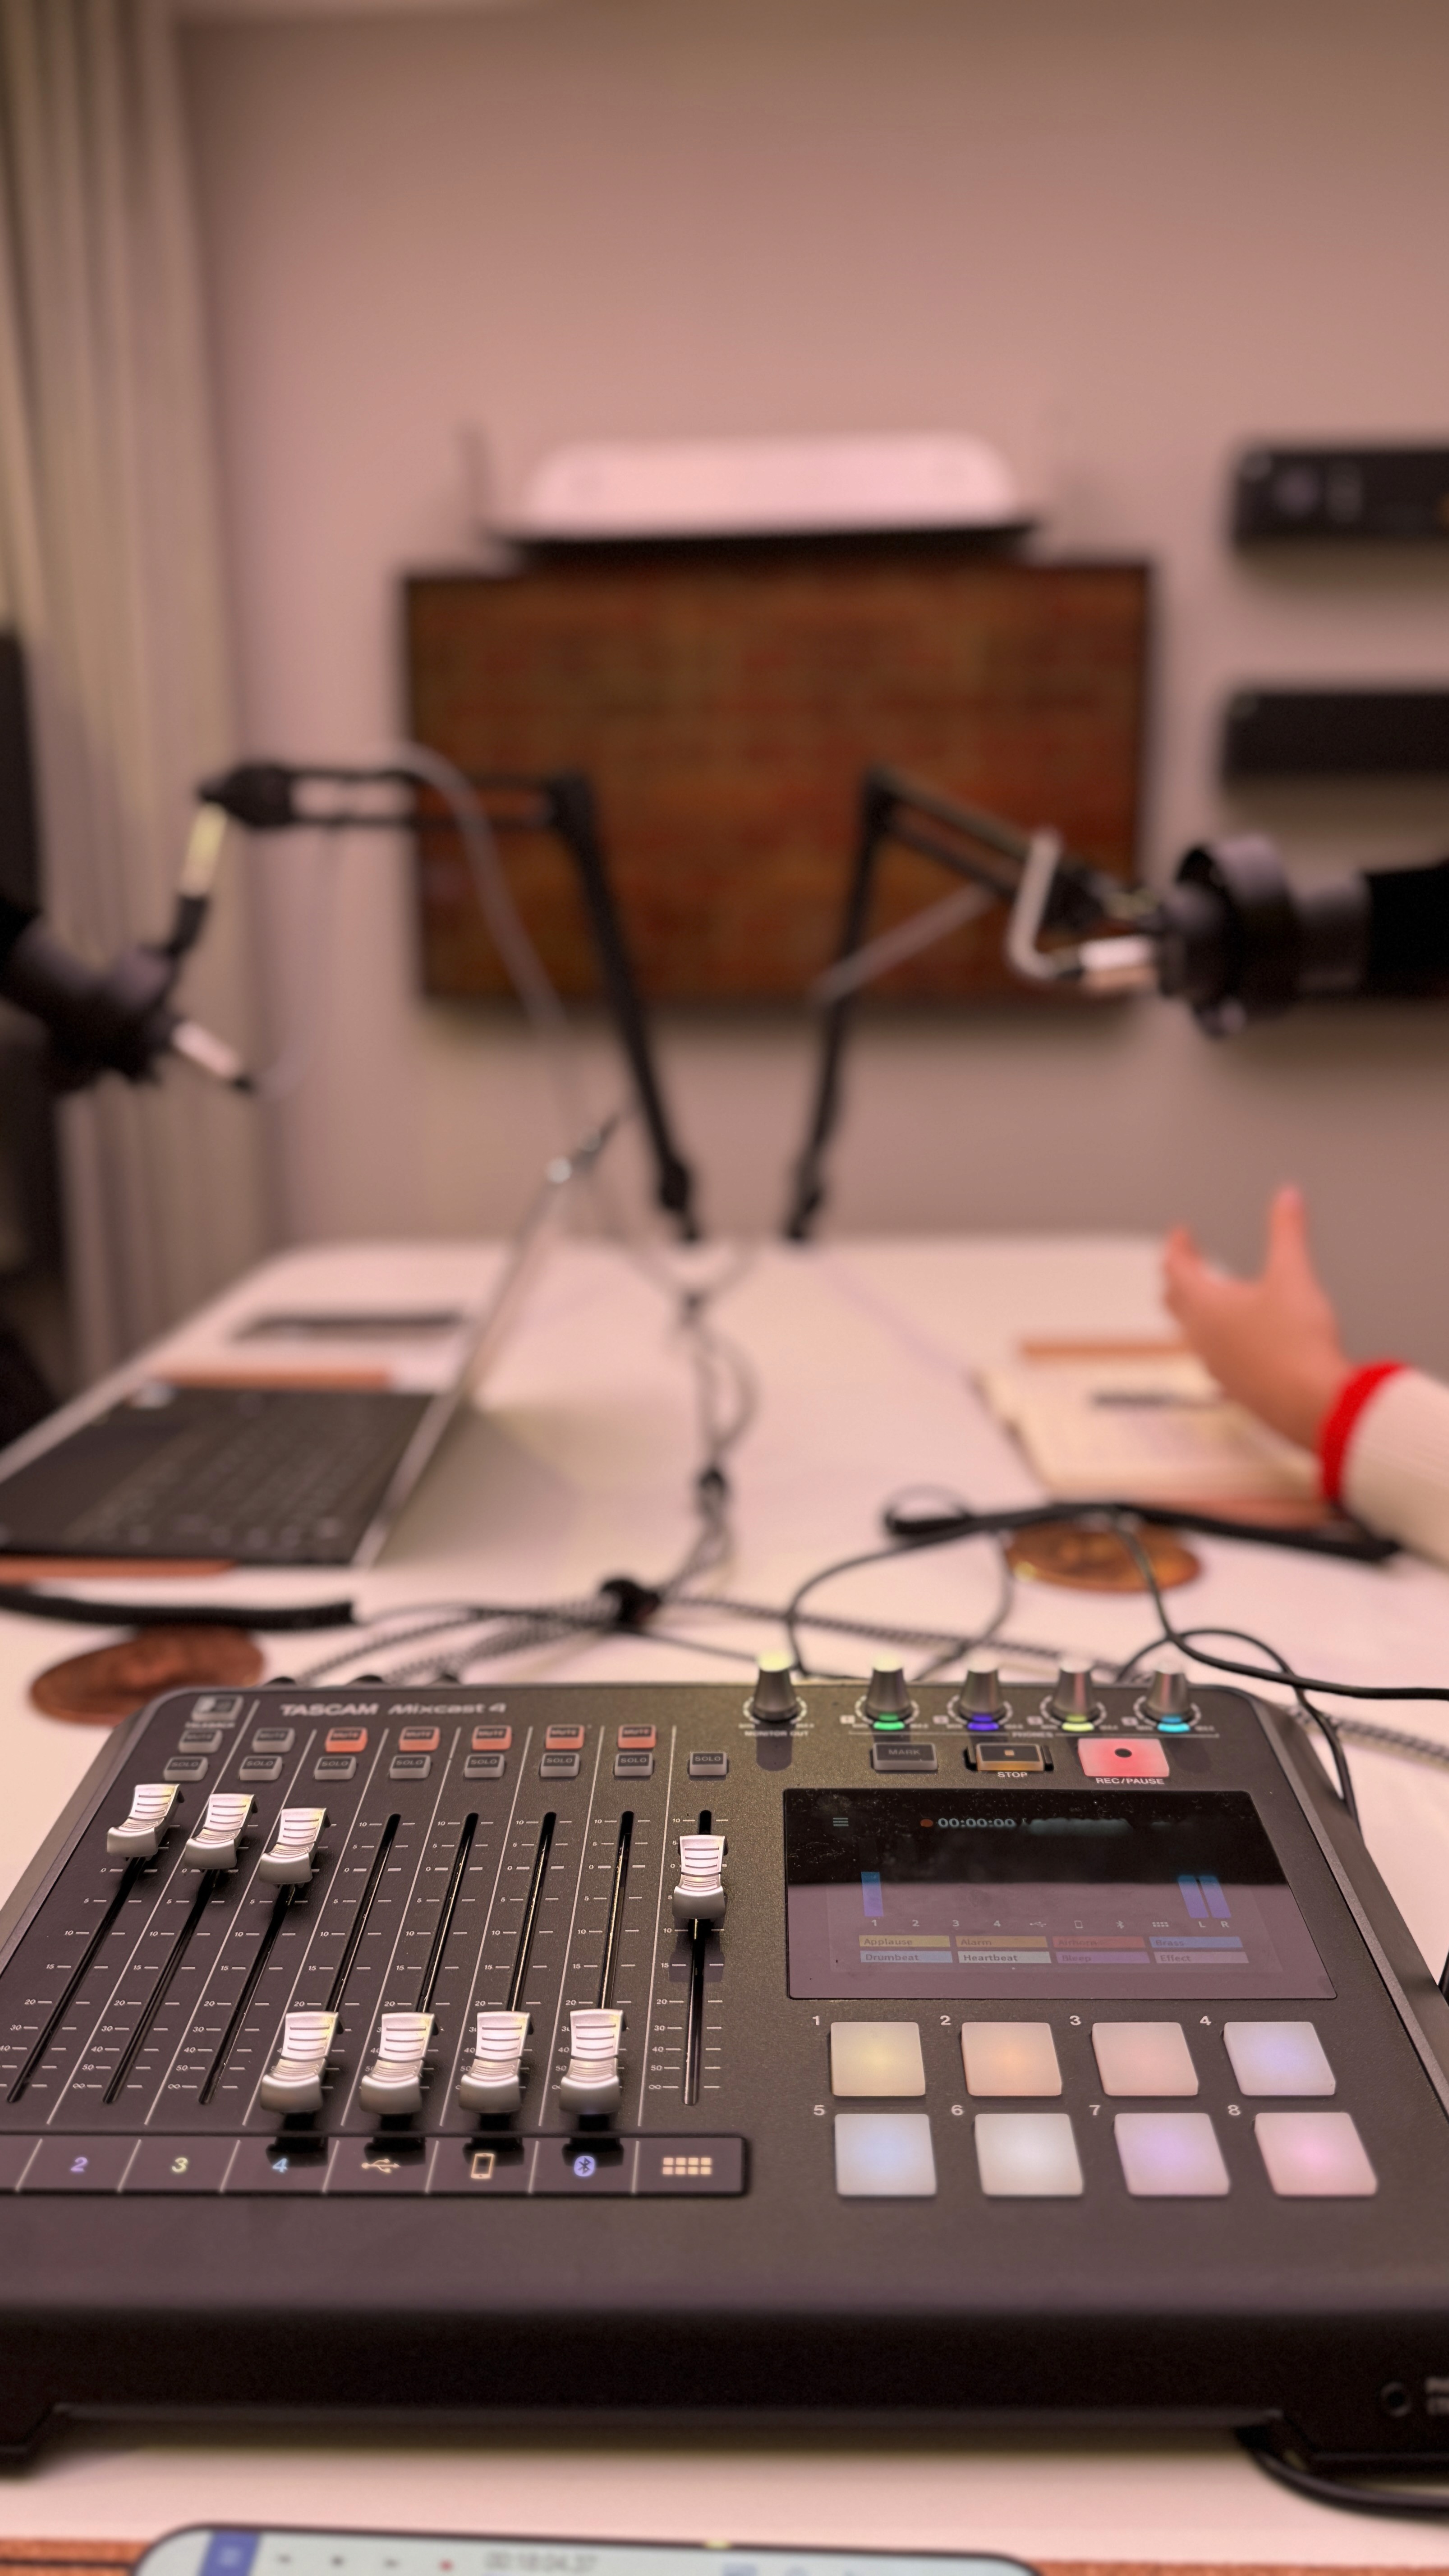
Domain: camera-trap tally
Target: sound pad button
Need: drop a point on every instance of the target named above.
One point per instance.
(884, 2155)
(1314, 2155)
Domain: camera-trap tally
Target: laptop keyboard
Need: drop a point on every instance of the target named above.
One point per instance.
(264, 1475)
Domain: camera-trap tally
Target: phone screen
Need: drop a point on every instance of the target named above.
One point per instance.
(383, 2553)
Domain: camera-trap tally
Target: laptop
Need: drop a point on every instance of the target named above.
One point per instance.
(288, 1422)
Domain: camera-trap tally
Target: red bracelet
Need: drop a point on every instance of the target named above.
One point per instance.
(1342, 1415)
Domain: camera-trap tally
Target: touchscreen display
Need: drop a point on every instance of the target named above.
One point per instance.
(1015, 1892)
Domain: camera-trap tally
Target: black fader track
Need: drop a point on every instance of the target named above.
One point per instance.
(799, 2054)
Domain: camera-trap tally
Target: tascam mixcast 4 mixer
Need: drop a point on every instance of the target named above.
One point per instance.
(826, 2051)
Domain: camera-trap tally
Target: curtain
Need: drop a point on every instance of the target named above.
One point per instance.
(110, 568)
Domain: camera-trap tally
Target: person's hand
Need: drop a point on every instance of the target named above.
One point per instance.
(1272, 1342)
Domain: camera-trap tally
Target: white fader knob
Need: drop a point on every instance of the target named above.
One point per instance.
(700, 1896)
(494, 2081)
(139, 1835)
(292, 1857)
(592, 2082)
(213, 1844)
(394, 2080)
(293, 2082)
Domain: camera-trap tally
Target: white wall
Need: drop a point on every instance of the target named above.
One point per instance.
(1118, 236)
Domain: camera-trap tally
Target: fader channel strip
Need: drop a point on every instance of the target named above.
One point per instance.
(1045, 2051)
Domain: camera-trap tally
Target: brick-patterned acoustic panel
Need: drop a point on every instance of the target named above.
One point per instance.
(724, 700)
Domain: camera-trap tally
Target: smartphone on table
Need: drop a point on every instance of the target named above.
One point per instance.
(232, 2552)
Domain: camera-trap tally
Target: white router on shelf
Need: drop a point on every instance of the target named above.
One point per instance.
(759, 487)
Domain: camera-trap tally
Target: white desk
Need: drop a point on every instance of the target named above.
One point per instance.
(579, 1468)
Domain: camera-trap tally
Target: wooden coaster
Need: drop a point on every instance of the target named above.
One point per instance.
(1097, 1560)
(101, 1688)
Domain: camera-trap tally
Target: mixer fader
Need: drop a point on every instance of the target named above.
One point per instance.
(933, 2053)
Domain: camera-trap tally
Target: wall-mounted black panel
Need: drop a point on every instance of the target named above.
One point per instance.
(1336, 733)
(1385, 495)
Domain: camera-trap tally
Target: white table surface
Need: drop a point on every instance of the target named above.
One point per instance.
(576, 1466)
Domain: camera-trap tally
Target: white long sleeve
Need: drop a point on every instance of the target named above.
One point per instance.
(1396, 1470)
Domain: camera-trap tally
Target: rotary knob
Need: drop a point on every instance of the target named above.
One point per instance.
(979, 1699)
(1073, 1701)
(887, 1701)
(1167, 1700)
(774, 1701)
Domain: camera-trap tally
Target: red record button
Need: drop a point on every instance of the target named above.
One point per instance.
(346, 1739)
(564, 1739)
(1122, 1757)
(419, 1739)
(638, 1739)
(492, 1739)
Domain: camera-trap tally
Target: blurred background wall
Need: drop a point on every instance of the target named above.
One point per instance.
(1120, 238)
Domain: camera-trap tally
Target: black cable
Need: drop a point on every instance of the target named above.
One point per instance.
(1344, 1539)
(1329, 1727)
(652, 1636)
(1340, 2491)
(984, 1524)
(790, 1616)
(1006, 1594)
(727, 1398)
(1185, 1641)
(78, 1610)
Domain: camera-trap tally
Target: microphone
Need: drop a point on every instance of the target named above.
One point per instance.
(1235, 940)
(118, 1018)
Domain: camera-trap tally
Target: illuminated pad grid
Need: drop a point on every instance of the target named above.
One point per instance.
(1027, 2155)
(884, 2155)
(1314, 2155)
(680, 2168)
(1170, 2155)
(1010, 2057)
(876, 2057)
(1278, 2057)
(1136, 2057)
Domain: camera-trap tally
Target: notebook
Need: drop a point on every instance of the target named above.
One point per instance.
(1144, 1423)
